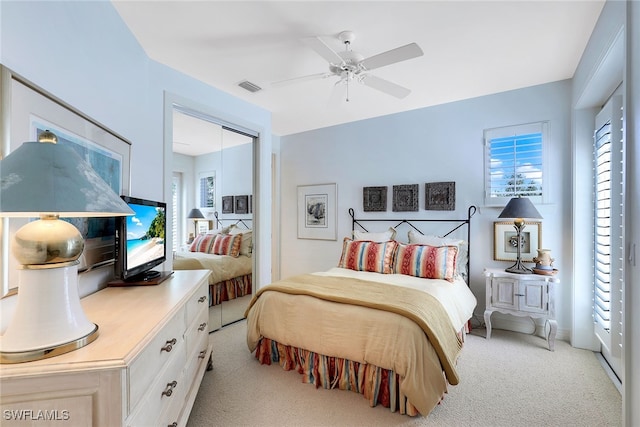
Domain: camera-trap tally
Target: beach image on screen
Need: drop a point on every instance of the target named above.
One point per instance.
(145, 235)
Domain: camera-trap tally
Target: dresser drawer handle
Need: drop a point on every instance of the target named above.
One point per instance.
(173, 424)
(202, 299)
(169, 390)
(202, 354)
(169, 345)
(202, 326)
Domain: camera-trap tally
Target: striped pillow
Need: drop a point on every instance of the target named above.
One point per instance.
(202, 243)
(227, 244)
(363, 255)
(429, 262)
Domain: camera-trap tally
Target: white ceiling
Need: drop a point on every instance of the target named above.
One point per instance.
(471, 48)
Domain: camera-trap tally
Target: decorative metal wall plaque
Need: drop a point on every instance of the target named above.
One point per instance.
(227, 204)
(374, 199)
(405, 198)
(241, 204)
(440, 196)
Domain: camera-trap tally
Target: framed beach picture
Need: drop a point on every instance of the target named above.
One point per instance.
(317, 211)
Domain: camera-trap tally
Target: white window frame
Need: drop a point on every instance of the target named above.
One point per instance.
(508, 131)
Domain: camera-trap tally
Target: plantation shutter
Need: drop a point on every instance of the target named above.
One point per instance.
(602, 228)
(608, 245)
(175, 205)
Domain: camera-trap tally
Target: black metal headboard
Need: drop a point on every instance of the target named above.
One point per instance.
(233, 221)
(457, 223)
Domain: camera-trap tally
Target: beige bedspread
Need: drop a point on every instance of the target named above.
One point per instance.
(363, 321)
(223, 267)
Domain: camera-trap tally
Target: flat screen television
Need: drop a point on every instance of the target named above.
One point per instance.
(140, 240)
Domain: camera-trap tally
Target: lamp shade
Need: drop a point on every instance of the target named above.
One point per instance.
(520, 207)
(41, 177)
(195, 214)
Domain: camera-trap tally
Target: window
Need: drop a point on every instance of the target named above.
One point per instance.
(515, 163)
(208, 190)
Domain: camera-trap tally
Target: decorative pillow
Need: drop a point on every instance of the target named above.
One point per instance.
(246, 247)
(463, 247)
(429, 262)
(202, 243)
(227, 244)
(383, 236)
(363, 255)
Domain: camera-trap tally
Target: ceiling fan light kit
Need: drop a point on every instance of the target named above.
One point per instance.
(349, 65)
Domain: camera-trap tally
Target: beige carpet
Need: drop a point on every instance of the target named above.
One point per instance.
(509, 380)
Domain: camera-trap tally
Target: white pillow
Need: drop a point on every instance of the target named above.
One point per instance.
(383, 236)
(431, 240)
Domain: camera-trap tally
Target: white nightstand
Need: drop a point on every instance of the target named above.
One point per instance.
(524, 295)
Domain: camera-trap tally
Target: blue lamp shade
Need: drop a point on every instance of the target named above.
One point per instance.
(520, 207)
(42, 177)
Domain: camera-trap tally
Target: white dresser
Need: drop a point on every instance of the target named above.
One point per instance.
(144, 368)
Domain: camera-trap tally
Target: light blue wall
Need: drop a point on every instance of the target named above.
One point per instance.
(441, 143)
(83, 54)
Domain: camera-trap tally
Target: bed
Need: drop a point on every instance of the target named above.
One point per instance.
(227, 253)
(372, 324)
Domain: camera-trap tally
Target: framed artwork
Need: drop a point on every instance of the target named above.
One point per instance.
(250, 203)
(241, 204)
(317, 211)
(374, 199)
(227, 204)
(28, 111)
(505, 241)
(440, 196)
(405, 198)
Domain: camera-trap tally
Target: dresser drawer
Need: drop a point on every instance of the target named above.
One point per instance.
(167, 391)
(198, 331)
(197, 301)
(164, 346)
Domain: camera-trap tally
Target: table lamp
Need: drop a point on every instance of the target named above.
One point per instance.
(519, 208)
(48, 180)
(195, 214)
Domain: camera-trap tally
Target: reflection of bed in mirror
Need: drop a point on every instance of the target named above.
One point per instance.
(227, 252)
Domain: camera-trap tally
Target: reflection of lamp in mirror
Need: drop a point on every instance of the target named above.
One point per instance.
(48, 180)
(519, 208)
(195, 215)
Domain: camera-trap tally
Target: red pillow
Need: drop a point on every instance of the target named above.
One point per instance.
(202, 243)
(429, 262)
(364, 255)
(227, 244)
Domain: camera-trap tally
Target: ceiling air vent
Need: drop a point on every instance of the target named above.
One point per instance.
(251, 87)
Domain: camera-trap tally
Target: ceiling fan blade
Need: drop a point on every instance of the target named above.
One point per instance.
(385, 86)
(412, 50)
(301, 79)
(323, 50)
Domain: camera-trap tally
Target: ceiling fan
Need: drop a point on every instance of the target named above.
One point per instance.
(350, 66)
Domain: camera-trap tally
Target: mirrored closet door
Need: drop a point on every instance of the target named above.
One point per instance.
(213, 215)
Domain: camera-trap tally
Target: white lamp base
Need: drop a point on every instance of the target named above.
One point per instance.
(49, 319)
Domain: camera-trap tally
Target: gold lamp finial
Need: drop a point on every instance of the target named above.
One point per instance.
(48, 137)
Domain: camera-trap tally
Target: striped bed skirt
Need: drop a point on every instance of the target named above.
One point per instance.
(227, 290)
(377, 385)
